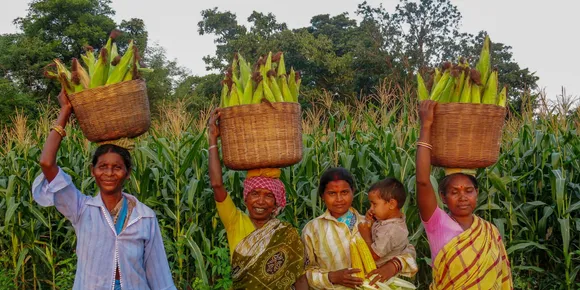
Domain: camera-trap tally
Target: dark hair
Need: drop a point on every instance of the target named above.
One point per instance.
(334, 174)
(445, 181)
(390, 188)
(110, 148)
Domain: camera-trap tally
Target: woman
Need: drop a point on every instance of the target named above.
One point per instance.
(119, 243)
(266, 253)
(467, 251)
(327, 239)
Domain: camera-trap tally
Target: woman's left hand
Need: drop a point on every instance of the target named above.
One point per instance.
(384, 273)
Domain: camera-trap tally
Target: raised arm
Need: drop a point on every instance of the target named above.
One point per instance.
(48, 156)
(215, 165)
(425, 193)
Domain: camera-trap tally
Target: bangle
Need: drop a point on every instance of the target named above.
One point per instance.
(426, 145)
(211, 147)
(397, 263)
(58, 129)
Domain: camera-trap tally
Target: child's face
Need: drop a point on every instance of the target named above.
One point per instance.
(381, 208)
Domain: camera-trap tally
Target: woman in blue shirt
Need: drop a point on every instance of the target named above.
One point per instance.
(119, 244)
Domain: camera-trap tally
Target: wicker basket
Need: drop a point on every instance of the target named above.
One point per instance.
(466, 135)
(113, 112)
(261, 136)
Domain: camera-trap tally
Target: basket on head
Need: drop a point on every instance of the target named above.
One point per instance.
(113, 112)
(466, 135)
(266, 135)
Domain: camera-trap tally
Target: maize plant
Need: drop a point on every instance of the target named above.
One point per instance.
(532, 194)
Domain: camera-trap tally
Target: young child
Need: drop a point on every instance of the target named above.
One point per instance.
(385, 231)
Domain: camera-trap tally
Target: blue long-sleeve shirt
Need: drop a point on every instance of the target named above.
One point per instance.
(138, 249)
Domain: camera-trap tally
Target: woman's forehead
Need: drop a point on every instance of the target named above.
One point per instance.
(336, 185)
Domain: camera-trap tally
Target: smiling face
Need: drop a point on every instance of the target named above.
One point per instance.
(338, 197)
(460, 196)
(261, 203)
(110, 173)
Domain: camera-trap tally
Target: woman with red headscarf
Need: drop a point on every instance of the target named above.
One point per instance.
(265, 252)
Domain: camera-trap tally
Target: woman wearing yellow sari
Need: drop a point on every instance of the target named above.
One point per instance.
(265, 252)
(467, 251)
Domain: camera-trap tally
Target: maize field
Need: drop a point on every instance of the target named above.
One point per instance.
(532, 194)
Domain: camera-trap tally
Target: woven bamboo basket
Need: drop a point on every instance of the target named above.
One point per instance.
(261, 135)
(466, 135)
(113, 112)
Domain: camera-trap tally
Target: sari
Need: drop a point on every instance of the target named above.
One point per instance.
(271, 257)
(475, 259)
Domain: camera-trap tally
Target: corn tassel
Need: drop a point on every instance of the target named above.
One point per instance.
(502, 99)
(83, 76)
(422, 89)
(490, 94)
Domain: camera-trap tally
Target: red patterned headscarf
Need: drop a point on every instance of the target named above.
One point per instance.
(272, 184)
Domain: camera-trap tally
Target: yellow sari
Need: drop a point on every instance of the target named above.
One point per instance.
(475, 259)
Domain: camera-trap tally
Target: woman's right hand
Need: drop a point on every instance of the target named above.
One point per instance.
(345, 277)
(213, 129)
(426, 112)
(65, 105)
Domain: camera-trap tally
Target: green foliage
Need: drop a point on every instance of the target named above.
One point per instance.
(12, 100)
(532, 194)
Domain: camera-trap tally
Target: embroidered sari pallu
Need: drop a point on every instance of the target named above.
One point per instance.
(271, 257)
(475, 259)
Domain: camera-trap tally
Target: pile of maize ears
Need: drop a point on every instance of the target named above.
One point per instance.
(394, 283)
(267, 81)
(361, 257)
(109, 68)
(460, 83)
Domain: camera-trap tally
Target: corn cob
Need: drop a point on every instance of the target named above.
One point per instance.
(484, 63)
(281, 66)
(82, 74)
(490, 93)
(245, 70)
(89, 59)
(466, 91)
(422, 90)
(288, 97)
(475, 94)
(292, 84)
(234, 96)
(248, 90)
(259, 93)
(456, 95)
(356, 260)
(274, 86)
(100, 76)
(365, 255)
(268, 92)
(502, 97)
(124, 65)
(440, 86)
(224, 95)
(437, 76)
(298, 82)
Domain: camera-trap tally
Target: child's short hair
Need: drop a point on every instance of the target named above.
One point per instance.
(390, 188)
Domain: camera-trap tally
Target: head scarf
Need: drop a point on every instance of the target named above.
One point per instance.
(266, 179)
